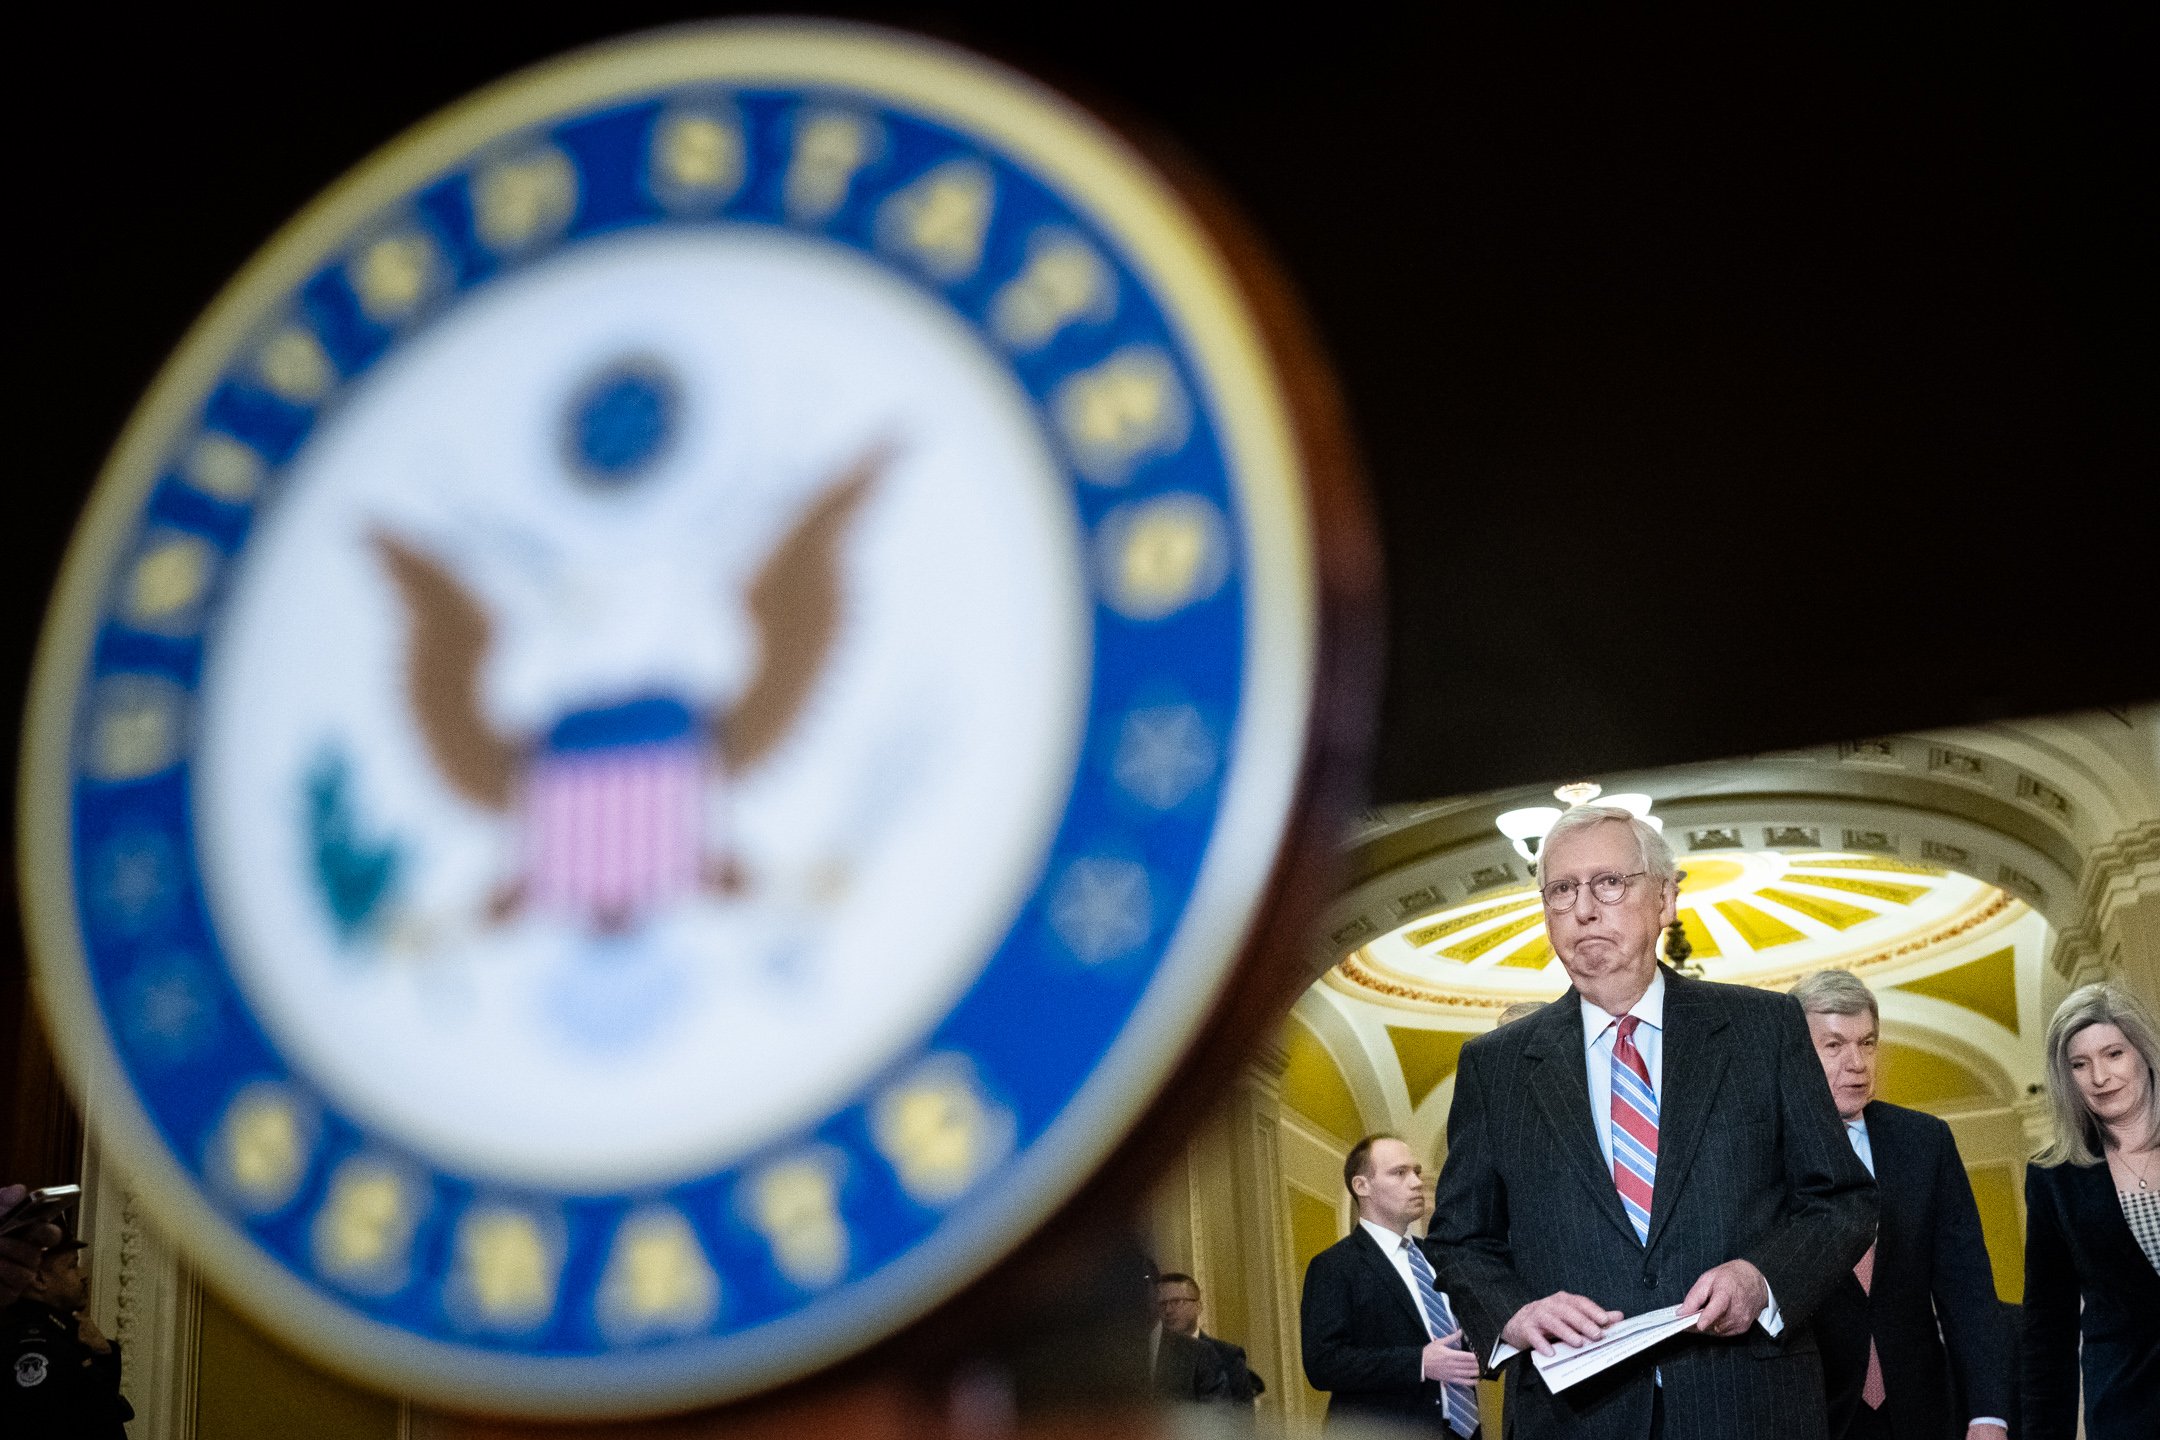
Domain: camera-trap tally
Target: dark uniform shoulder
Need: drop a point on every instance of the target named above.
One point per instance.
(53, 1384)
(28, 1323)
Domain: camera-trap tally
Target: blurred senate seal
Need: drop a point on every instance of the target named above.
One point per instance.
(669, 717)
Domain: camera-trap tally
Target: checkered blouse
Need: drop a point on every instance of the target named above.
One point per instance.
(2142, 1209)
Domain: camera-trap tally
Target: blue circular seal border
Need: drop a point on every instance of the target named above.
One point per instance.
(1086, 1000)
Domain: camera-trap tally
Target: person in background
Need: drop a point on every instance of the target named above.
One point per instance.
(62, 1377)
(1177, 1299)
(1913, 1343)
(1180, 1366)
(1380, 1335)
(1520, 1010)
(1649, 1142)
(21, 1251)
(2092, 1227)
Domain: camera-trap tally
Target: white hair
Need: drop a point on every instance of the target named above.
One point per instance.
(1835, 992)
(1657, 856)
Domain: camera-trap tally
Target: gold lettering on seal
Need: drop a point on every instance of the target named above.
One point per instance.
(168, 580)
(295, 366)
(522, 202)
(394, 274)
(697, 160)
(220, 465)
(940, 220)
(365, 1228)
(1120, 411)
(795, 1205)
(262, 1146)
(939, 1130)
(1160, 555)
(505, 1267)
(657, 1278)
(830, 146)
(1064, 280)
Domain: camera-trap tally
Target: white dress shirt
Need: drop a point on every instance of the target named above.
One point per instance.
(1864, 1146)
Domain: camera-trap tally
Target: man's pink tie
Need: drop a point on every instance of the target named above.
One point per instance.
(1871, 1389)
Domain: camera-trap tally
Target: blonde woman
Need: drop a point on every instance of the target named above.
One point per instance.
(2092, 1226)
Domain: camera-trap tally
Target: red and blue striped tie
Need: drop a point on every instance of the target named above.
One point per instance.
(1634, 1128)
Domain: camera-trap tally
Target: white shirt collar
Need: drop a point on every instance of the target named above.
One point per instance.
(1385, 1238)
(1650, 1009)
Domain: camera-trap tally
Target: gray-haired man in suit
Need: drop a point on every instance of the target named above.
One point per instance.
(1644, 1141)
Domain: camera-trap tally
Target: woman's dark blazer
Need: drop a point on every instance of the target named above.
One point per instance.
(2079, 1248)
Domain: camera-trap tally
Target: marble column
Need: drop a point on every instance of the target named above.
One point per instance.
(2117, 934)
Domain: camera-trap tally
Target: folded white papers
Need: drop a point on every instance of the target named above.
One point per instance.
(1570, 1363)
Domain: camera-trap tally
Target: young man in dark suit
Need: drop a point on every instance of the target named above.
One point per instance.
(1380, 1336)
(1913, 1343)
(1646, 1141)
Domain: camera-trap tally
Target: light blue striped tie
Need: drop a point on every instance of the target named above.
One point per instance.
(1458, 1401)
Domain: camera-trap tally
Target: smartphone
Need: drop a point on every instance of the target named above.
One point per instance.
(40, 1206)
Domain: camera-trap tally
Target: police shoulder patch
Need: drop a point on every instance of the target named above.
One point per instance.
(669, 716)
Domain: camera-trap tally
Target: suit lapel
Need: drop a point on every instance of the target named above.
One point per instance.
(1560, 1082)
(1391, 1278)
(1697, 1049)
(2105, 1231)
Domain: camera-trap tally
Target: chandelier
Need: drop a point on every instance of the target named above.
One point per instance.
(1526, 828)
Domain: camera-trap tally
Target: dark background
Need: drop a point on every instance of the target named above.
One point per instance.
(1723, 385)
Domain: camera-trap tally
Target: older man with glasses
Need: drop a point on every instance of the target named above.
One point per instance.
(1651, 1141)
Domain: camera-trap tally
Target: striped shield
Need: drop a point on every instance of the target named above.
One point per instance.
(614, 813)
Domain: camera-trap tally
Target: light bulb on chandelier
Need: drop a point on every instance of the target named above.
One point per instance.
(1526, 828)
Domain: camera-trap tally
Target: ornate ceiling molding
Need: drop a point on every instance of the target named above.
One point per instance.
(1474, 996)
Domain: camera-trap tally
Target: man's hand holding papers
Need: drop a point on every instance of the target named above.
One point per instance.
(1558, 1319)
(1570, 1363)
(1728, 1298)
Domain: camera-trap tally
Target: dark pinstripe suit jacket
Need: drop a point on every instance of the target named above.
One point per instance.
(1752, 1164)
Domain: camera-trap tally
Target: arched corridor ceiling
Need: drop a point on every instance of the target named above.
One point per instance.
(1759, 917)
(1960, 873)
(1957, 965)
(1952, 870)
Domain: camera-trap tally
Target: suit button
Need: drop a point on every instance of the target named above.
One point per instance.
(1649, 1280)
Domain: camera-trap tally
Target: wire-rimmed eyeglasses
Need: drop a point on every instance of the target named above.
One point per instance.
(1608, 888)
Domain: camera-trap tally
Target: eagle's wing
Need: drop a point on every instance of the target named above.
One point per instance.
(446, 641)
(795, 605)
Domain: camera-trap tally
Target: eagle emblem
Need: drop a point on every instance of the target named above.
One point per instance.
(610, 801)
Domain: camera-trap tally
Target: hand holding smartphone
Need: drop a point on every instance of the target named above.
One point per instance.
(40, 1207)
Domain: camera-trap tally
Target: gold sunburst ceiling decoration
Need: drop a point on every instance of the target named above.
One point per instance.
(1760, 917)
